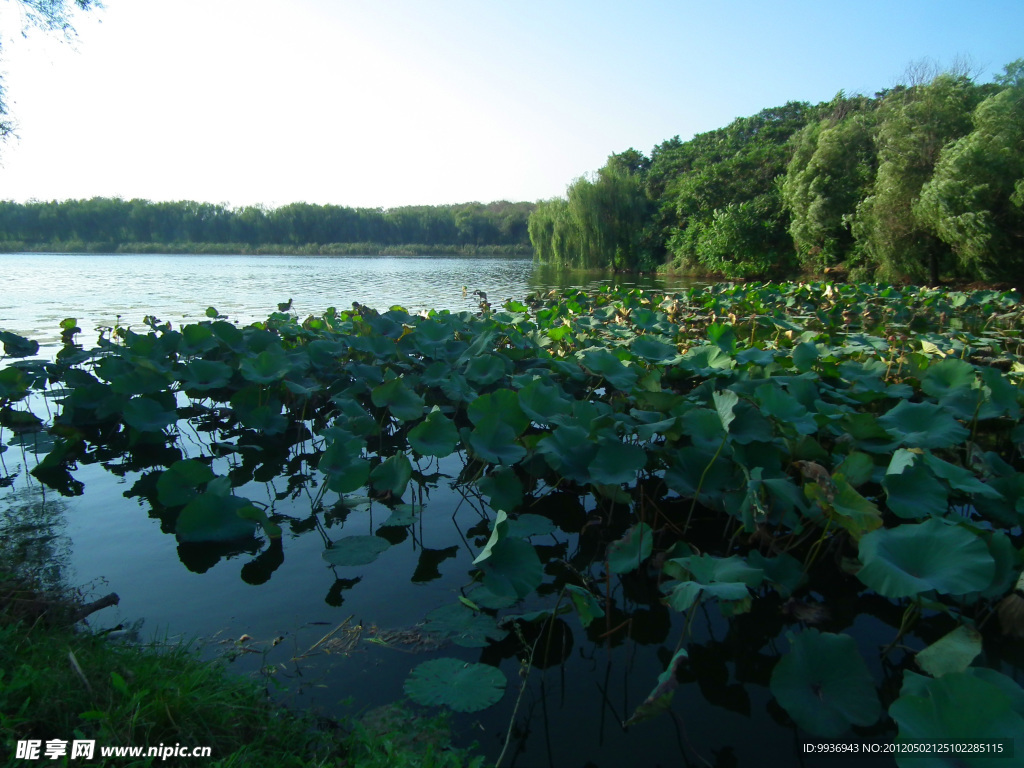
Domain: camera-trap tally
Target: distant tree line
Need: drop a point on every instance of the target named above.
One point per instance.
(191, 226)
(920, 182)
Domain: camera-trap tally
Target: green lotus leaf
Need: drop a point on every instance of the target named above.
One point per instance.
(512, 567)
(784, 571)
(464, 626)
(503, 489)
(653, 350)
(603, 363)
(455, 684)
(267, 367)
(804, 356)
(782, 406)
(147, 415)
(824, 684)
(586, 603)
(722, 336)
(214, 517)
(616, 462)
(18, 346)
(725, 404)
(201, 375)
(397, 396)
(485, 369)
(660, 699)
(959, 706)
(706, 359)
(703, 426)
(960, 479)
(181, 481)
(436, 435)
(925, 425)
(540, 400)
(914, 558)
(401, 516)
(953, 652)
(14, 384)
(502, 404)
(392, 475)
(627, 553)
(914, 493)
(355, 550)
(526, 525)
(948, 376)
(857, 468)
(494, 441)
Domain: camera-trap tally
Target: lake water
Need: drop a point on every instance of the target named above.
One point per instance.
(287, 599)
(40, 290)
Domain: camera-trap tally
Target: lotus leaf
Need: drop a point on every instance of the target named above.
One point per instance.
(627, 553)
(659, 699)
(485, 369)
(503, 489)
(455, 684)
(914, 493)
(502, 404)
(959, 706)
(464, 626)
(587, 606)
(569, 452)
(392, 475)
(953, 652)
(603, 363)
(396, 395)
(436, 435)
(214, 517)
(914, 558)
(181, 482)
(355, 550)
(824, 684)
(493, 440)
(925, 425)
(616, 462)
(18, 346)
(147, 415)
(540, 400)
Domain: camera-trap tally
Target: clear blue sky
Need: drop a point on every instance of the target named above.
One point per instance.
(397, 102)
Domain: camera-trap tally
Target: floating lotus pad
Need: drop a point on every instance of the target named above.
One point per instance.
(455, 684)
(824, 684)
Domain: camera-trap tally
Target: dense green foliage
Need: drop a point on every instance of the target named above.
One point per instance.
(803, 460)
(919, 182)
(141, 225)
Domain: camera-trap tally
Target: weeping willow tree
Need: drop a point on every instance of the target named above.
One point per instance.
(975, 199)
(832, 170)
(601, 222)
(914, 125)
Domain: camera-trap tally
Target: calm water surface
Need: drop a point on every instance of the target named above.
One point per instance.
(288, 599)
(40, 290)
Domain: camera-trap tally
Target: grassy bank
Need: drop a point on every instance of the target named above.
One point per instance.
(59, 681)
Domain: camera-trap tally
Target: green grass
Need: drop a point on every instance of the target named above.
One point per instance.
(57, 682)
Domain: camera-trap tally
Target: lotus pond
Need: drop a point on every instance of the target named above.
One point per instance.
(704, 527)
